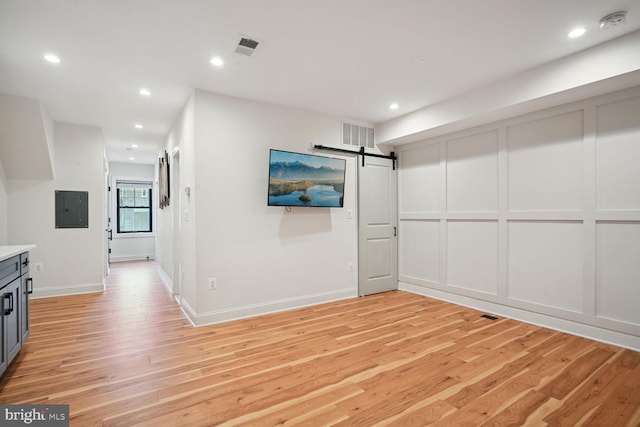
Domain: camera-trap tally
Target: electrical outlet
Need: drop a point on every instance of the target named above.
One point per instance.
(349, 266)
(38, 267)
(213, 283)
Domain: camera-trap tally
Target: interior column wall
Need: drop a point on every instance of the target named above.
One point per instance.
(180, 138)
(264, 259)
(536, 217)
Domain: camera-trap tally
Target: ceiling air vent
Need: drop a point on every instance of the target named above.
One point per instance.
(247, 46)
(356, 135)
(613, 19)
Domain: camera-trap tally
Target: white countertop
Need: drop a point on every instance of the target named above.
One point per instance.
(9, 251)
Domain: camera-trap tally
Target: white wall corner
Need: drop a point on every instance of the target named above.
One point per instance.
(47, 124)
(165, 278)
(253, 310)
(189, 312)
(60, 291)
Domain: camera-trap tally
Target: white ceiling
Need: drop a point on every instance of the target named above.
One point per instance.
(347, 58)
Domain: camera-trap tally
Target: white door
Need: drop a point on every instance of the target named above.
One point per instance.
(377, 223)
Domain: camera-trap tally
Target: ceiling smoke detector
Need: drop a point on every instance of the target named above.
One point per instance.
(247, 46)
(613, 19)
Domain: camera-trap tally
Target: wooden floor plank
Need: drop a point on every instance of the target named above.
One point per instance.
(577, 372)
(128, 357)
(422, 416)
(517, 413)
(610, 390)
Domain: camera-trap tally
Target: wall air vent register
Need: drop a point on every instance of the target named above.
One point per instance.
(357, 136)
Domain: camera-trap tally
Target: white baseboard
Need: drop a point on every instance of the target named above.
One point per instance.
(568, 326)
(188, 311)
(60, 291)
(165, 278)
(253, 310)
(134, 257)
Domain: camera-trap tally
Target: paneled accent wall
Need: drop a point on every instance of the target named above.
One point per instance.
(539, 213)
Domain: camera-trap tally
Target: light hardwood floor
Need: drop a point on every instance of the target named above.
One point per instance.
(128, 357)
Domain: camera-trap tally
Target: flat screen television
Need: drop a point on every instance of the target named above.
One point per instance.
(297, 179)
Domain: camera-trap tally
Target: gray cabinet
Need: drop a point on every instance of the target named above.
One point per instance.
(15, 287)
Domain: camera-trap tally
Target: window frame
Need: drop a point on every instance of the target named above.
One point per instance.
(136, 185)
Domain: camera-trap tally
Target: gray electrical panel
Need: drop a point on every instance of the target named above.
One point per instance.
(72, 209)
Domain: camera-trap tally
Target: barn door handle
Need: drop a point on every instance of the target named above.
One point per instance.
(395, 231)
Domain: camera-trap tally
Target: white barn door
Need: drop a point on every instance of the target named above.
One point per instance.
(378, 220)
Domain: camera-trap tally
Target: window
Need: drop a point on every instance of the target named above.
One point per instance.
(134, 207)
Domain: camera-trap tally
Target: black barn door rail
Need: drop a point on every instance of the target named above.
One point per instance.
(391, 156)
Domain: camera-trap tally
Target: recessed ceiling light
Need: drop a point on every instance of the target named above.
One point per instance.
(576, 32)
(144, 92)
(134, 145)
(394, 106)
(216, 61)
(138, 126)
(132, 158)
(54, 59)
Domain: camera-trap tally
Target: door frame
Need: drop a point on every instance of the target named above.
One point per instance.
(176, 224)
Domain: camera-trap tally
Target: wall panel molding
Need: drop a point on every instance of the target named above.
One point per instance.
(566, 224)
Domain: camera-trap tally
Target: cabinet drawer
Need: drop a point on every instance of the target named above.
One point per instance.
(9, 270)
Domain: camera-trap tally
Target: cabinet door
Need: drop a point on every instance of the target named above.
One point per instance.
(3, 333)
(25, 289)
(12, 299)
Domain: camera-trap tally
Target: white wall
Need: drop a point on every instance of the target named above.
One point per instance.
(264, 259)
(3, 207)
(181, 140)
(73, 259)
(535, 217)
(127, 246)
